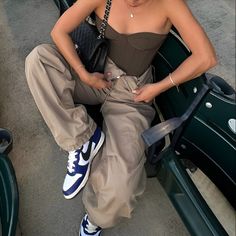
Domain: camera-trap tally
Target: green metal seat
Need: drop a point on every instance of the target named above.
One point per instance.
(9, 196)
(190, 205)
(205, 139)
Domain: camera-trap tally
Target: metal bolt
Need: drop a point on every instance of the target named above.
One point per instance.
(232, 125)
(208, 105)
(195, 90)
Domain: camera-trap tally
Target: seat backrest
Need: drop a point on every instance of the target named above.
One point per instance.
(208, 138)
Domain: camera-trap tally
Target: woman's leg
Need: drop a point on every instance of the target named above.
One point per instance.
(53, 89)
(117, 175)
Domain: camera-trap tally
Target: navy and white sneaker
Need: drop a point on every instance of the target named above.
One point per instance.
(79, 162)
(88, 229)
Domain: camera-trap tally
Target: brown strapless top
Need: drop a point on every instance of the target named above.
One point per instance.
(133, 53)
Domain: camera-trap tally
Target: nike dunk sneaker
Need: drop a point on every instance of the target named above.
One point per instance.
(88, 229)
(79, 162)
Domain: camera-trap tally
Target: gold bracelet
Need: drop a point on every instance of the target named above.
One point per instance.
(172, 81)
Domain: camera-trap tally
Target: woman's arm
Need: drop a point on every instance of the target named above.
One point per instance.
(202, 58)
(60, 35)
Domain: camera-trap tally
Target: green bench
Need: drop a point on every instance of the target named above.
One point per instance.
(9, 196)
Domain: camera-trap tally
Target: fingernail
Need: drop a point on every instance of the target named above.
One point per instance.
(134, 91)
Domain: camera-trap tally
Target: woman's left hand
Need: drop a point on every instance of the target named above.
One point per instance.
(146, 93)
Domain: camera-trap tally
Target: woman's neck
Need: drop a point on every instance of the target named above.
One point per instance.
(135, 6)
(136, 3)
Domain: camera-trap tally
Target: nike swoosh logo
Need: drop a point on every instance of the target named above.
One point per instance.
(86, 154)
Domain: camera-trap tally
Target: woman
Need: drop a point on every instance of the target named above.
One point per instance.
(136, 29)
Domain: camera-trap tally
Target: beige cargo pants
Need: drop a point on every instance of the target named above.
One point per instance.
(117, 175)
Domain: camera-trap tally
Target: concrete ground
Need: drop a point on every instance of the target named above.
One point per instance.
(39, 164)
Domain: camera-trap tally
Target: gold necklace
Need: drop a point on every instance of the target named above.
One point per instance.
(131, 14)
(129, 7)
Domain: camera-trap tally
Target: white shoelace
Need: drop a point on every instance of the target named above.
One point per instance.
(90, 228)
(71, 159)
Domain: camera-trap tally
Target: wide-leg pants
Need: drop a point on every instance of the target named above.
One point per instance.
(117, 176)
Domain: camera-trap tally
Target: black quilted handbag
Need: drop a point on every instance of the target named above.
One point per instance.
(90, 44)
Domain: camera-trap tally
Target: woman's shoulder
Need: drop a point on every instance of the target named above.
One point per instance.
(100, 7)
(172, 3)
(100, 3)
(176, 8)
(97, 3)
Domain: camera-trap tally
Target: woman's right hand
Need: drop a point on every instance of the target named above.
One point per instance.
(97, 80)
